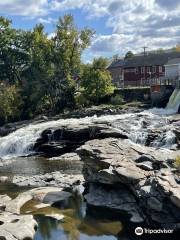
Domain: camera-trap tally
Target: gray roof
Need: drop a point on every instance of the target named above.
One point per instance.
(148, 60)
(173, 61)
(116, 63)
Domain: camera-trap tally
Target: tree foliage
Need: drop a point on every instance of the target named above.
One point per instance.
(129, 55)
(96, 80)
(11, 103)
(43, 68)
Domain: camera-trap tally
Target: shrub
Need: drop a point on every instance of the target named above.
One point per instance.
(81, 100)
(116, 100)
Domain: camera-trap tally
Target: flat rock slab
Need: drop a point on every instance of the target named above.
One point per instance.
(16, 227)
(48, 195)
(56, 179)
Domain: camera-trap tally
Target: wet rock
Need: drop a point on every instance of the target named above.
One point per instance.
(65, 139)
(145, 165)
(49, 195)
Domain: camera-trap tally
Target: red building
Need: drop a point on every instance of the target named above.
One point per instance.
(138, 70)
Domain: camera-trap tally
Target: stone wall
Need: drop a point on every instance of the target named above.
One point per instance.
(134, 94)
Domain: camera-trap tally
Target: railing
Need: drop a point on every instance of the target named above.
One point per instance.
(154, 81)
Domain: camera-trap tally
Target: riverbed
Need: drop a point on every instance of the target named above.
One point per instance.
(20, 162)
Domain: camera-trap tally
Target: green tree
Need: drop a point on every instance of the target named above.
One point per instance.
(96, 80)
(13, 58)
(129, 55)
(37, 84)
(69, 43)
(10, 103)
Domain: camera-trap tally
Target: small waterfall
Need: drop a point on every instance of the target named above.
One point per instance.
(174, 101)
(136, 126)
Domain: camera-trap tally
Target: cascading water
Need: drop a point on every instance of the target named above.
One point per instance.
(136, 126)
(174, 101)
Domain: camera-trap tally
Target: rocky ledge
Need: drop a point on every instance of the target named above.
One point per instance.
(139, 180)
(16, 226)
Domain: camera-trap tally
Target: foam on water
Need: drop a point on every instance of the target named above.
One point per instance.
(136, 126)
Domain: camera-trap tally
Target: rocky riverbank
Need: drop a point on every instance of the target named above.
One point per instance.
(127, 161)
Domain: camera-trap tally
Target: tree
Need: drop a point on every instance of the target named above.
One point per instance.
(96, 80)
(13, 58)
(37, 84)
(129, 55)
(177, 48)
(10, 103)
(69, 42)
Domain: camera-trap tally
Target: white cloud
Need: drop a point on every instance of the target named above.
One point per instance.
(47, 20)
(28, 8)
(154, 23)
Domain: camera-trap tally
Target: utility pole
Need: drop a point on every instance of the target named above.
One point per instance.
(144, 48)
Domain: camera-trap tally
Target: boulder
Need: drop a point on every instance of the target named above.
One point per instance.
(144, 174)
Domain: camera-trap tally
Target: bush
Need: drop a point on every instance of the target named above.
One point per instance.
(10, 103)
(81, 100)
(116, 100)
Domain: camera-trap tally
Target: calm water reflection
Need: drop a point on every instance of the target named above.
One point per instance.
(76, 225)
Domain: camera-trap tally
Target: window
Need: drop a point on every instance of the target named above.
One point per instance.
(148, 69)
(160, 69)
(136, 70)
(142, 69)
(153, 69)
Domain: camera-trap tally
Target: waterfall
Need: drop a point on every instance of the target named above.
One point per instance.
(174, 101)
(136, 126)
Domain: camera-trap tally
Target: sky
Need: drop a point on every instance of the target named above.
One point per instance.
(120, 25)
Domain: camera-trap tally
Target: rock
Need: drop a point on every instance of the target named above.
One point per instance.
(56, 179)
(147, 173)
(145, 165)
(3, 179)
(4, 199)
(49, 195)
(154, 204)
(15, 205)
(120, 199)
(55, 216)
(175, 197)
(16, 227)
(66, 157)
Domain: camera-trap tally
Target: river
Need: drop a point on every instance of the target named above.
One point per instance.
(81, 222)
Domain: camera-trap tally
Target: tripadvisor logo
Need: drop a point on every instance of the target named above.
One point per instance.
(138, 231)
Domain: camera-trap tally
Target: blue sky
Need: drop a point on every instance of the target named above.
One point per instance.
(120, 25)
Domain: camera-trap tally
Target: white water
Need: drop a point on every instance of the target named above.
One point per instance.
(136, 126)
(174, 101)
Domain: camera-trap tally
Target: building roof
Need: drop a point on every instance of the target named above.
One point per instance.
(147, 60)
(173, 61)
(116, 63)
